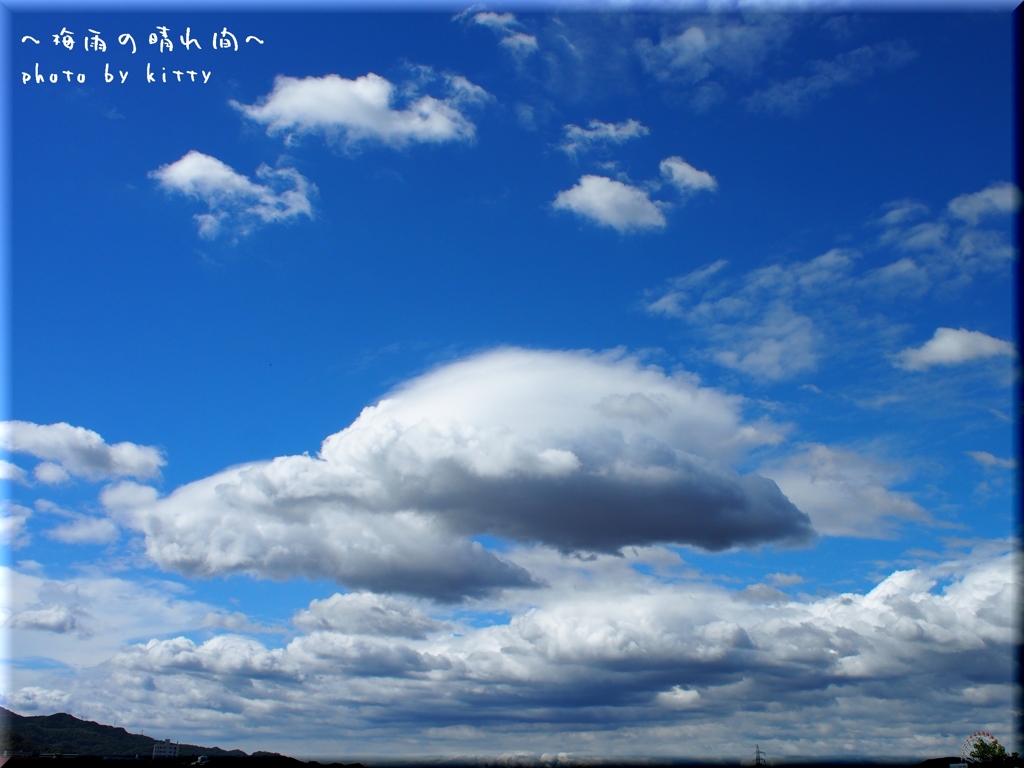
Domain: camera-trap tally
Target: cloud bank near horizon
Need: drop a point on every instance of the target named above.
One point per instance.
(615, 650)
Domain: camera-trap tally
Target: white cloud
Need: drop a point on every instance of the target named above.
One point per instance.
(942, 254)
(84, 529)
(900, 665)
(996, 199)
(461, 91)
(80, 528)
(127, 495)
(236, 621)
(928, 235)
(778, 347)
(367, 108)
(50, 618)
(903, 277)
(989, 461)
(234, 522)
(499, 22)
(612, 204)
(774, 322)
(581, 451)
(784, 579)
(844, 492)
(13, 523)
(79, 452)
(36, 699)
(685, 177)
(704, 294)
(12, 473)
(793, 96)
(51, 474)
(902, 211)
(525, 114)
(363, 613)
(679, 698)
(520, 44)
(596, 133)
(715, 44)
(671, 302)
(762, 593)
(83, 621)
(616, 204)
(754, 326)
(685, 52)
(508, 28)
(950, 346)
(235, 201)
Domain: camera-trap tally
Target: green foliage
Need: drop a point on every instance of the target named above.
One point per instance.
(985, 751)
(14, 742)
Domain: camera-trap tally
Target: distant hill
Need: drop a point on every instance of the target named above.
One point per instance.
(65, 734)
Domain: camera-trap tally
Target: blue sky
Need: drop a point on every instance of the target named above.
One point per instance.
(484, 383)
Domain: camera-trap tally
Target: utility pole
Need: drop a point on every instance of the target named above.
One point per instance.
(758, 755)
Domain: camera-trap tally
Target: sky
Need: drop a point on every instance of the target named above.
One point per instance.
(513, 385)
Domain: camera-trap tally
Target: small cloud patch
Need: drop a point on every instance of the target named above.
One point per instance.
(235, 202)
(952, 346)
(596, 133)
(368, 108)
(611, 203)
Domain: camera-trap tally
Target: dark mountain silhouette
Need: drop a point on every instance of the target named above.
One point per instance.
(65, 734)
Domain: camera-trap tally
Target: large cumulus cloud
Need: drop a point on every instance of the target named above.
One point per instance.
(576, 450)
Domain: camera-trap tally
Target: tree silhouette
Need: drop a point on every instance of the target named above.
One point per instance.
(985, 751)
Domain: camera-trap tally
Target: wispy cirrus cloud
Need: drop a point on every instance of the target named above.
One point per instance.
(707, 53)
(80, 528)
(236, 203)
(773, 322)
(100, 610)
(685, 177)
(944, 252)
(990, 461)
(845, 493)
(13, 525)
(1000, 198)
(791, 97)
(85, 530)
(506, 26)
(12, 473)
(715, 43)
(753, 324)
(598, 134)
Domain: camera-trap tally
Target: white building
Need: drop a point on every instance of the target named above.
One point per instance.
(164, 749)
